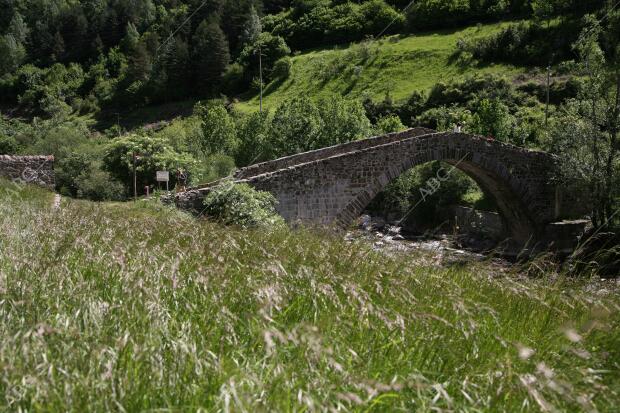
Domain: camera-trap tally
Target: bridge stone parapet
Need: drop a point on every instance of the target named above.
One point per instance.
(336, 185)
(323, 153)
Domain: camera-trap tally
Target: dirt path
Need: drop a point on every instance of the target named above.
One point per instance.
(56, 203)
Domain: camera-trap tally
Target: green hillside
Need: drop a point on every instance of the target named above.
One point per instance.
(397, 65)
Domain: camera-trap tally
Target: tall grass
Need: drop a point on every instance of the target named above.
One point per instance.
(142, 308)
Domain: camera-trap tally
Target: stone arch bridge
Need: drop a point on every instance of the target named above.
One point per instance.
(335, 184)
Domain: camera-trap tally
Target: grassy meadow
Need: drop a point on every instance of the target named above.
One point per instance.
(397, 65)
(137, 307)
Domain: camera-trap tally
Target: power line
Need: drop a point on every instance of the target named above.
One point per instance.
(395, 18)
(603, 18)
(181, 25)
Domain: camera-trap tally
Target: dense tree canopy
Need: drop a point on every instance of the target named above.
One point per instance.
(127, 54)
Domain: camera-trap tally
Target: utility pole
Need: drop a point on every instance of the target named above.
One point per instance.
(548, 86)
(260, 68)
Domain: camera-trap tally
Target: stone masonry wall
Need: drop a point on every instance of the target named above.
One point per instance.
(37, 170)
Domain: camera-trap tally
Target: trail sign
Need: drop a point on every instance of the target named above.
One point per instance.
(163, 176)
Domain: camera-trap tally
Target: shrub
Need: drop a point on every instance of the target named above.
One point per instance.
(343, 121)
(426, 14)
(253, 134)
(444, 118)
(282, 68)
(240, 204)
(377, 15)
(8, 146)
(218, 128)
(412, 108)
(68, 169)
(183, 134)
(49, 90)
(471, 89)
(272, 48)
(492, 118)
(296, 127)
(233, 81)
(525, 44)
(315, 23)
(376, 111)
(211, 168)
(450, 192)
(559, 91)
(389, 124)
(413, 188)
(98, 185)
(156, 155)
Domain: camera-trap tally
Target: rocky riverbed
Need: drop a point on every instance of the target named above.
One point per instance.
(438, 249)
(448, 250)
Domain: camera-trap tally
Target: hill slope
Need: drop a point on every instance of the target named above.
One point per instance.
(397, 65)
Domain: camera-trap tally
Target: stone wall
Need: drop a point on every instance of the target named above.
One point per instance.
(38, 170)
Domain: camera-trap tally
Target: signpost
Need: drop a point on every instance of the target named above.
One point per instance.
(163, 176)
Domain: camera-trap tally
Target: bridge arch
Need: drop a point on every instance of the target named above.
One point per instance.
(515, 216)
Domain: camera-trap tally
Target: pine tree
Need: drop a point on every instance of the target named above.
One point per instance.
(253, 27)
(41, 43)
(112, 30)
(238, 17)
(18, 28)
(139, 63)
(58, 47)
(12, 53)
(177, 67)
(138, 56)
(131, 39)
(210, 56)
(97, 46)
(75, 34)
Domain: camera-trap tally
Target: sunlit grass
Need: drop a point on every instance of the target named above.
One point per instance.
(395, 65)
(138, 307)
